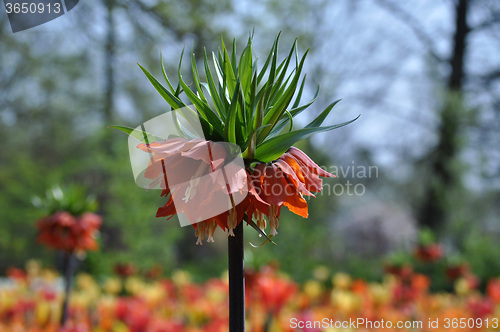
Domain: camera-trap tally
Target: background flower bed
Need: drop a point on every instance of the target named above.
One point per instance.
(390, 61)
(130, 301)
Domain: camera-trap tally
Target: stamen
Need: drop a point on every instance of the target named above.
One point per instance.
(231, 222)
(273, 220)
(200, 232)
(261, 221)
(211, 230)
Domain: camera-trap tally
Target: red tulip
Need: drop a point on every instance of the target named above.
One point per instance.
(493, 290)
(16, 274)
(125, 269)
(455, 271)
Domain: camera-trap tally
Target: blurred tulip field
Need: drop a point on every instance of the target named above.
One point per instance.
(134, 301)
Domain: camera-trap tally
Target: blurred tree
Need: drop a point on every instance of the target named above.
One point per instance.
(62, 83)
(59, 92)
(443, 193)
(444, 176)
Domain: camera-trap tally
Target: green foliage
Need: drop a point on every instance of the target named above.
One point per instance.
(251, 106)
(481, 252)
(399, 259)
(73, 199)
(478, 252)
(435, 270)
(362, 268)
(426, 236)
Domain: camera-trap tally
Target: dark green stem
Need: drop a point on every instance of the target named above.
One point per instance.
(236, 281)
(68, 269)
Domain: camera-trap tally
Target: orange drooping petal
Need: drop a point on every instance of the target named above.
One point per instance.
(312, 171)
(168, 210)
(292, 163)
(310, 165)
(292, 175)
(257, 201)
(262, 188)
(297, 204)
(273, 185)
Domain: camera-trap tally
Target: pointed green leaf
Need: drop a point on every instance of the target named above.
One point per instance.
(294, 112)
(228, 74)
(319, 120)
(251, 107)
(291, 120)
(172, 100)
(203, 108)
(278, 109)
(242, 128)
(248, 147)
(233, 57)
(165, 74)
(297, 110)
(196, 78)
(274, 147)
(230, 127)
(245, 71)
(283, 69)
(272, 71)
(140, 135)
(268, 60)
(261, 232)
(213, 90)
(278, 91)
(299, 94)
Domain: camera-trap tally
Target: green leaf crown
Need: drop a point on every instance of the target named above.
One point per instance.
(241, 104)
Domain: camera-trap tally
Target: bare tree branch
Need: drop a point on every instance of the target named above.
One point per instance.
(490, 77)
(157, 16)
(414, 25)
(493, 20)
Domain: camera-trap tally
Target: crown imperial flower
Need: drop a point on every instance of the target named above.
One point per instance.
(243, 107)
(70, 225)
